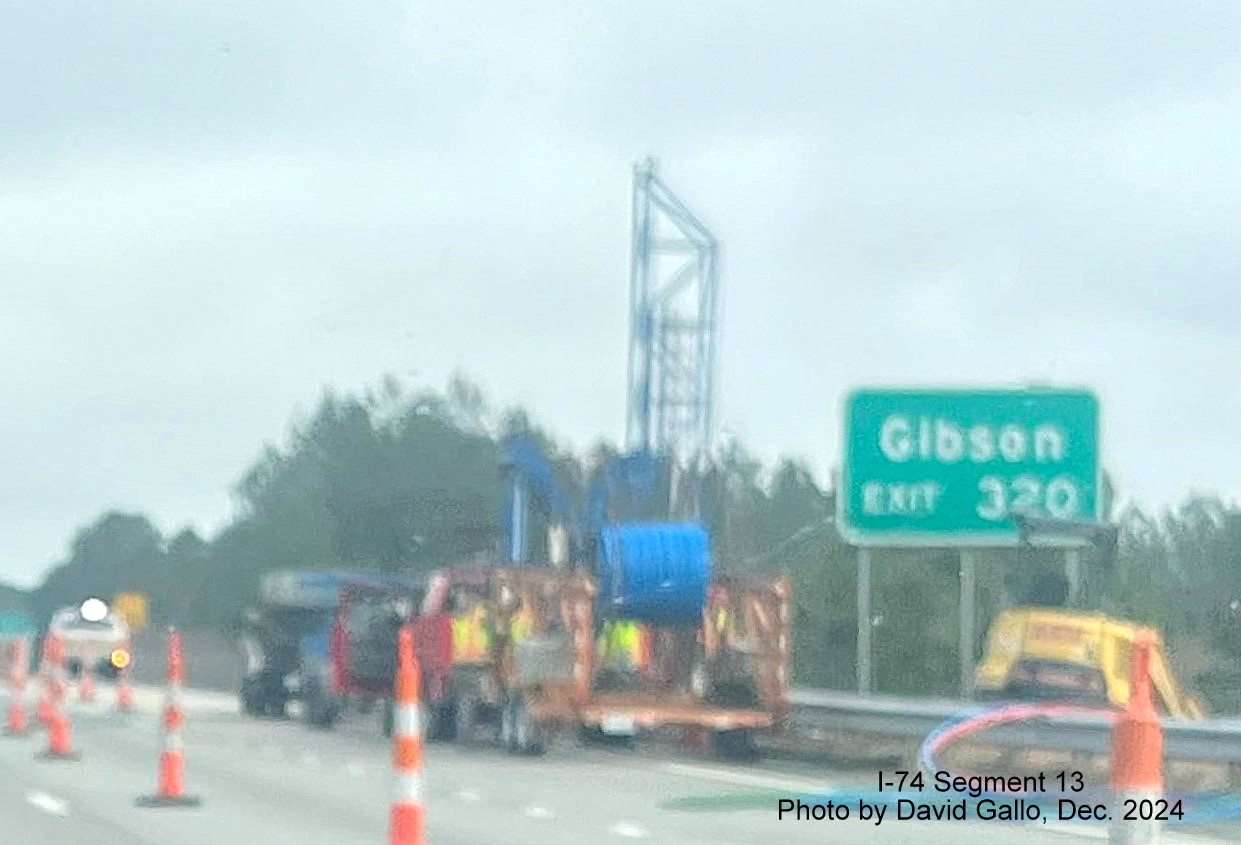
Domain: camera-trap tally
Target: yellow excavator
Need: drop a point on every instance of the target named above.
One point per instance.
(1047, 653)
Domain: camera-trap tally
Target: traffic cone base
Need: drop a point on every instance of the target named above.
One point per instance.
(68, 756)
(169, 801)
(17, 725)
(1136, 831)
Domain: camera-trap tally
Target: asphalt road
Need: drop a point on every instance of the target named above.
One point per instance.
(278, 782)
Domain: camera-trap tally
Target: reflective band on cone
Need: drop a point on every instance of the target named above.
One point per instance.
(171, 789)
(406, 825)
(59, 741)
(1137, 754)
(16, 722)
(124, 693)
(47, 701)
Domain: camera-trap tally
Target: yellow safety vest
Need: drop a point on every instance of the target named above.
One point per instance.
(522, 625)
(471, 642)
(622, 644)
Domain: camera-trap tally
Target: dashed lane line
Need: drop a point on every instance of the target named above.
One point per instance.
(776, 782)
(629, 830)
(1100, 833)
(49, 804)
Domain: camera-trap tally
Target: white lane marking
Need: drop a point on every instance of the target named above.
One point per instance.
(469, 795)
(1100, 832)
(355, 770)
(629, 829)
(309, 758)
(47, 803)
(536, 812)
(788, 784)
(1076, 830)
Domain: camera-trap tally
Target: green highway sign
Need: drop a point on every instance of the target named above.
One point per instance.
(14, 624)
(952, 467)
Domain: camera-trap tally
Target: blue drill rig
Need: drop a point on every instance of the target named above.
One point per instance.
(674, 305)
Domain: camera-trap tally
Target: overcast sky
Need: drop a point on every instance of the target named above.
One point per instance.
(212, 210)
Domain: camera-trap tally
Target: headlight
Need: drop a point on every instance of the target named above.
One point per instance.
(119, 658)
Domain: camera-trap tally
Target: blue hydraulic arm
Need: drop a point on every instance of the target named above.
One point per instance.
(530, 479)
(637, 478)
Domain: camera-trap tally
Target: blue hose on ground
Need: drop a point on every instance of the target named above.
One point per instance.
(1198, 808)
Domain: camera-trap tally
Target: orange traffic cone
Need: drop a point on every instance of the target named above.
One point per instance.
(47, 701)
(124, 692)
(59, 743)
(406, 822)
(171, 789)
(1137, 754)
(16, 723)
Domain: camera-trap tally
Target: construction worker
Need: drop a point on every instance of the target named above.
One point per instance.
(718, 617)
(471, 639)
(523, 622)
(622, 652)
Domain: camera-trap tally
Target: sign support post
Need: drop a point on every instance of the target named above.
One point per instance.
(963, 469)
(966, 645)
(864, 620)
(1073, 574)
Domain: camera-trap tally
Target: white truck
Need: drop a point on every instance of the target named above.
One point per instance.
(93, 635)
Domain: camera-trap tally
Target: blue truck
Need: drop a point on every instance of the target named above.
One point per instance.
(315, 638)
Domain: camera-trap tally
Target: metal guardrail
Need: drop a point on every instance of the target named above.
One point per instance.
(826, 711)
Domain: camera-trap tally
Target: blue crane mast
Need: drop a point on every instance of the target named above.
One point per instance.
(674, 304)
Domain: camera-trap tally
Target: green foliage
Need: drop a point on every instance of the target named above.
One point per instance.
(393, 480)
(117, 552)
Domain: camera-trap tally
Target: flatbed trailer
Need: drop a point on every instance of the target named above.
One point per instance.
(732, 684)
(646, 711)
(738, 682)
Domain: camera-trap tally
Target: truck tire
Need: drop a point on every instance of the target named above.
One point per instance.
(527, 737)
(438, 722)
(252, 703)
(323, 714)
(736, 746)
(322, 710)
(276, 707)
(465, 719)
(508, 737)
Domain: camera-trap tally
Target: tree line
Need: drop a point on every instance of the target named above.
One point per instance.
(391, 480)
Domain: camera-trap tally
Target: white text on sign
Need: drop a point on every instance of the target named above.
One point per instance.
(903, 439)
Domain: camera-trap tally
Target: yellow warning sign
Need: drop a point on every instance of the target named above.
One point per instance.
(132, 607)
